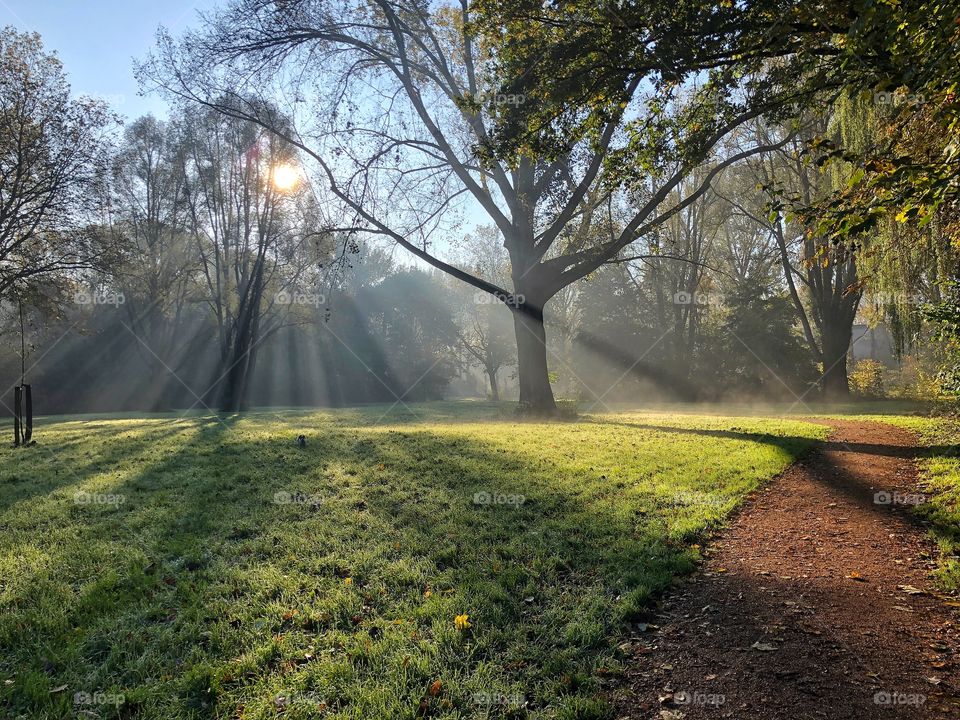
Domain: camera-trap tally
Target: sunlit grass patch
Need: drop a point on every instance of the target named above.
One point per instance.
(940, 470)
(449, 564)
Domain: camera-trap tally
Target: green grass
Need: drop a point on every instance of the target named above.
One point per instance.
(200, 596)
(940, 471)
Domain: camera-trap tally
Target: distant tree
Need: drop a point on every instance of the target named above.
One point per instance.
(413, 333)
(487, 340)
(484, 324)
(761, 353)
(249, 240)
(822, 277)
(945, 316)
(678, 269)
(53, 161)
(158, 270)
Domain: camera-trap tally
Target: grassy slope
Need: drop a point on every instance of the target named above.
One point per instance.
(199, 596)
(940, 468)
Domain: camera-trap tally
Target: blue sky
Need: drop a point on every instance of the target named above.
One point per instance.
(97, 39)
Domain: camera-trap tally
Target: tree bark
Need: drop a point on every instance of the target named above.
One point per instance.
(494, 388)
(535, 391)
(836, 342)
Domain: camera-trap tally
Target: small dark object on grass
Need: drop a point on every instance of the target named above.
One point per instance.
(301, 441)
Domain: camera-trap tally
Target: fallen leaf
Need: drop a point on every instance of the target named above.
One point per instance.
(58, 689)
(764, 647)
(435, 688)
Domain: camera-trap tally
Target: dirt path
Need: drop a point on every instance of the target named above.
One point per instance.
(814, 603)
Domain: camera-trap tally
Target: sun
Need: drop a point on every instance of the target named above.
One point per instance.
(285, 177)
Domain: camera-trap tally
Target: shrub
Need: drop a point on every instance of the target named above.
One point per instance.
(866, 379)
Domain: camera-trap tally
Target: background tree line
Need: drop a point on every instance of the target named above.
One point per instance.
(707, 220)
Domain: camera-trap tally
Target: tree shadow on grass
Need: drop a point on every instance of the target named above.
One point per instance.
(41, 469)
(787, 442)
(236, 555)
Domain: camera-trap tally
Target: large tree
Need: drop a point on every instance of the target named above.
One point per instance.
(158, 272)
(255, 229)
(396, 102)
(53, 159)
(822, 277)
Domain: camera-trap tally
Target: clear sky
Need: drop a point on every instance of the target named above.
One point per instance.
(97, 39)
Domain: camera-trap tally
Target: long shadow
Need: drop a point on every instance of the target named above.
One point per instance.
(899, 451)
(818, 663)
(783, 441)
(203, 542)
(862, 491)
(62, 465)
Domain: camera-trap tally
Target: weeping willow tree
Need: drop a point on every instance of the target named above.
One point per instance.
(908, 262)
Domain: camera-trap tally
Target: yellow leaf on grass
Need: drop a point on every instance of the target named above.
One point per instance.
(462, 622)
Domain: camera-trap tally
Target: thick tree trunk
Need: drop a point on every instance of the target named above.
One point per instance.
(235, 383)
(836, 342)
(535, 391)
(494, 388)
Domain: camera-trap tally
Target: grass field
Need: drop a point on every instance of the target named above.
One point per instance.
(413, 565)
(940, 471)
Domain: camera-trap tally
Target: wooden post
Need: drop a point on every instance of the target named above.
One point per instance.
(22, 395)
(16, 415)
(27, 415)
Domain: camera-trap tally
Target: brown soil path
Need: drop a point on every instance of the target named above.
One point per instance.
(816, 602)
